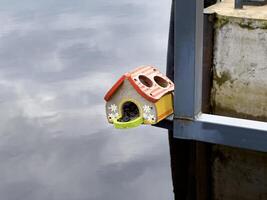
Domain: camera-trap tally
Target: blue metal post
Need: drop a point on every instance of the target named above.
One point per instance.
(188, 48)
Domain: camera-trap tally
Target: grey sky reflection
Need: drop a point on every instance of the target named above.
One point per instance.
(58, 58)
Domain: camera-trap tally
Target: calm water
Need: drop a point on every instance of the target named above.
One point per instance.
(57, 60)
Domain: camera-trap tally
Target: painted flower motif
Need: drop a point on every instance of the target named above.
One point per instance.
(150, 117)
(113, 108)
(113, 116)
(146, 108)
(116, 114)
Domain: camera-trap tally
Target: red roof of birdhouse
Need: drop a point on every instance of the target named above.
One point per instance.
(147, 81)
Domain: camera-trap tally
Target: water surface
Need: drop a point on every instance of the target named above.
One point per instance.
(58, 58)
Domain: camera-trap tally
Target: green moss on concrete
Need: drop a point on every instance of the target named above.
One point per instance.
(250, 24)
(224, 111)
(221, 21)
(225, 103)
(264, 25)
(224, 77)
(232, 95)
(224, 80)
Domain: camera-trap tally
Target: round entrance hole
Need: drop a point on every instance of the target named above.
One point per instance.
(145, 81)
(130, 112)
(161, 81)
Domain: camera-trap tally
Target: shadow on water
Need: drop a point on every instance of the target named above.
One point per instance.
(58, 58)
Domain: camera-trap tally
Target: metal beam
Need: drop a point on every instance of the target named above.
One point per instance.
(189, 122)
(228, 131)
(188, 48)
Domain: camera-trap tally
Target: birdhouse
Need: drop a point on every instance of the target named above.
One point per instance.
(143, 96)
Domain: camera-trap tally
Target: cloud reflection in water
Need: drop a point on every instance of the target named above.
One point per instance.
(58, 59)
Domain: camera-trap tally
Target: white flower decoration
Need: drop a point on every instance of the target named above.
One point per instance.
(113, 108)
(146, 108)
(113, 116)
(150, 117)
(116, 115)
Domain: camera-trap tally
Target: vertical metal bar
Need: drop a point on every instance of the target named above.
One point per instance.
(183, 168)
(207, 62)
(189, 179)
(188, 48)
(238, 4)
(198, 55)
(181, 151)
(170, 53)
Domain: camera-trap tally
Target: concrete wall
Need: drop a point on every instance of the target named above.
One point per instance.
(239, 90)
(240, 68)
(238, 174)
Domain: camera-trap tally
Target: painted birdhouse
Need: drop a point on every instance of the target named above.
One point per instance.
(143, 96)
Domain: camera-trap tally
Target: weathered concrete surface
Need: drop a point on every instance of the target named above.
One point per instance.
(240, 61)
(239, 174)
(239, 90)
(240, 68)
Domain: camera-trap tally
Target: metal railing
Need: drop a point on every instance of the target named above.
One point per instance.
(185, 67)
(239, 3)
